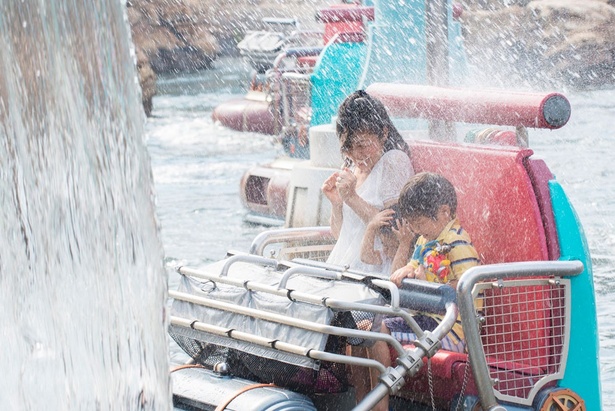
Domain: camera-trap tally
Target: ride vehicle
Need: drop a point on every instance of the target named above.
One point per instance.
(268, 329)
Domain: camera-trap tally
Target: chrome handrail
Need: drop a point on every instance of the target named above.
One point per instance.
(410, 363)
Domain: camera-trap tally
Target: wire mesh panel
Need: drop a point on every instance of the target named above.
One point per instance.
(525, 335)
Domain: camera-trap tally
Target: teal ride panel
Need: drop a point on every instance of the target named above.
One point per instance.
(394, 52)
(335, 75)
(582, 369)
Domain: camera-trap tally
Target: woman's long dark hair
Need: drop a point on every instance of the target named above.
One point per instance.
(361, 113)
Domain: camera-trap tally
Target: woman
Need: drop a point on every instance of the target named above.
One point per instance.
(376, 167)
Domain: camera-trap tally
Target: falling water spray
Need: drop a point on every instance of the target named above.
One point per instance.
(82, 285)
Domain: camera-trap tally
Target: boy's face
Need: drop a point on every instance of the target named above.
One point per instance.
(429, 227)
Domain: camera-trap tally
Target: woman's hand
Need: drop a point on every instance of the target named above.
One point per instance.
(330, 190)
(346, 183)
(381, 219)
(403, 232)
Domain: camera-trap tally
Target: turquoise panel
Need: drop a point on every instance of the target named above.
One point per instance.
(335, 76)
(397, 46)
(393, 52)
(582, 369)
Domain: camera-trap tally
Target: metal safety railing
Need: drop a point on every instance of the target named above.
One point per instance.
(519, 343)
(426, 296)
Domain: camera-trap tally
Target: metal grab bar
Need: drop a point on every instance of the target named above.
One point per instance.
(293, 322)
(247, 258)
(410, 363)
(466, 283)
(288, 234)
(332, 303)
(309, 271)
(420, 295)
(276, 344)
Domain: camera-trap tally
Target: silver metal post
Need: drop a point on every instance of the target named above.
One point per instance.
(436, 41)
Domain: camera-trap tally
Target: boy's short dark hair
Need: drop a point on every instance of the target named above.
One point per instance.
(388, 228)
(424, 194)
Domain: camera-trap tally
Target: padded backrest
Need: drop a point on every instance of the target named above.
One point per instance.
(497, 202)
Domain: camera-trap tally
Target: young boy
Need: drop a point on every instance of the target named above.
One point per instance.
(442, 253)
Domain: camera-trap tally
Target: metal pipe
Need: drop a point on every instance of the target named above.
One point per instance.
(277, 345)
(480, 369)
(304, 297)
(247, 258)
(436, 43)
(283, 319)
(400, 371)
(287, 234)
(309, 271)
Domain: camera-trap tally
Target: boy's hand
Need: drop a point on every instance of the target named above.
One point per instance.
(406, 271)
(419, 273)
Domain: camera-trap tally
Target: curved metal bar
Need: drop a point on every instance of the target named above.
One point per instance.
(309, 271)
(408, 364)
(466, 283)
(247, 258)
(293, 322)
(286, 234)
(421, 295)
(309, 298)
(392, 289)
(279, 345)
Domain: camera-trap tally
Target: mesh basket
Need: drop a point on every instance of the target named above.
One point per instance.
(328, 377)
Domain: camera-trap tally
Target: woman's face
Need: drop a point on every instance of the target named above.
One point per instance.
(366, 150)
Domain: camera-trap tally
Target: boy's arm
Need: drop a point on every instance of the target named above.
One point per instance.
(368, 255)
(402, 254)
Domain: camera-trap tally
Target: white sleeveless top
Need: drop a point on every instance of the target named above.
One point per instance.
(383, 184)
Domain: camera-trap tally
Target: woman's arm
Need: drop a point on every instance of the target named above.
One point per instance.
(329, 189)
(346, 184)
(336, 220)
(362, 208)
(368, 254)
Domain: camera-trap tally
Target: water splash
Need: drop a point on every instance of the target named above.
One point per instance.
(82, 286)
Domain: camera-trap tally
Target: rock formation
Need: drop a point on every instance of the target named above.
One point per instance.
(172, 35)
(510, 42)
(542, 42)
(187, 35)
